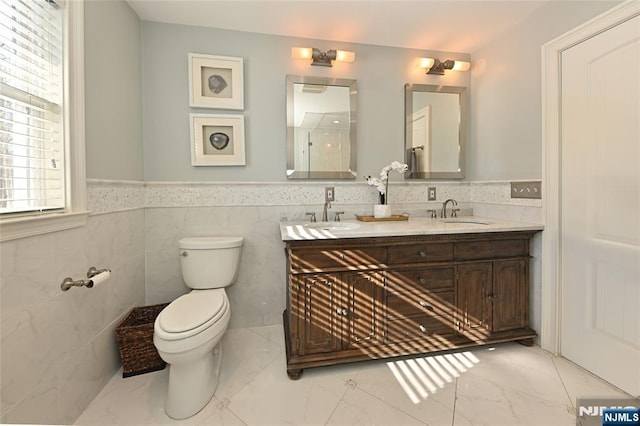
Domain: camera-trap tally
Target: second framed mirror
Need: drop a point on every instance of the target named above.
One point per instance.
(435, 131)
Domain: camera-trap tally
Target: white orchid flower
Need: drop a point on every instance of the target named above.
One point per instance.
(382, 183)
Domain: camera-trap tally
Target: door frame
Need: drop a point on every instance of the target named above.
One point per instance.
(550, 337)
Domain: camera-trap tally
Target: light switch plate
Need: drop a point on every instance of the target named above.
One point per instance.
(531, 189)
(431, 193)
(329, 193)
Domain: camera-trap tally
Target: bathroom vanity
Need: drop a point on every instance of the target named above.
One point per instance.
(386, 289)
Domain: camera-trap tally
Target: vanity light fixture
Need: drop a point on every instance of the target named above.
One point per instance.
(435, 66)
(321, 58)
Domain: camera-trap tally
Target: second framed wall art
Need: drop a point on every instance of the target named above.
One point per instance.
(216, 82)
(217, 140)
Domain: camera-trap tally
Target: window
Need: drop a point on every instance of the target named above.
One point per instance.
(42, 182)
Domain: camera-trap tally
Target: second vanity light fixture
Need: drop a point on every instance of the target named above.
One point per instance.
(436, 66)
(321, 58)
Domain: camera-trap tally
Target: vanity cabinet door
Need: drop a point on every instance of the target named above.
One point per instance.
(510, 294)
(474, 306)
(363, 299)
(319, 317)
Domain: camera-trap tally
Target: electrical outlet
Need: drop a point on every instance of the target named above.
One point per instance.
(329, 193)
(526, 189)
(431, 193)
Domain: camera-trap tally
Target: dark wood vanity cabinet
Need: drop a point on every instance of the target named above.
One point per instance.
(367, 298)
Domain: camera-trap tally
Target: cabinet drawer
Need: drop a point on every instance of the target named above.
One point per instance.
(421, 279)
(401, 305)
(491, 249)
(314, 260)
(419, 328)
(415, 253)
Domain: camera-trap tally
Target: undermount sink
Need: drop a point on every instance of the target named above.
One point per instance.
(466, 221)
(332, 226)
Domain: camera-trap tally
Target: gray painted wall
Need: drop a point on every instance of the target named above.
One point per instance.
(381, 73)
(506, 100)
(137, 87)
(113, 106)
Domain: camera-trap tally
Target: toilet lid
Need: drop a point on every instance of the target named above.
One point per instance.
(190, 311)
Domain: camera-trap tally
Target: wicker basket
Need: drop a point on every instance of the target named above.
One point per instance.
(135, 341)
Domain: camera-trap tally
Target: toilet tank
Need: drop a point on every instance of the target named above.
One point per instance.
(210, 262)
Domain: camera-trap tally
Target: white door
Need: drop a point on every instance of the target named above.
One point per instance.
(422, 138)
(600, 205)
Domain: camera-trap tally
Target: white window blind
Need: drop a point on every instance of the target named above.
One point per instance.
(32, 159)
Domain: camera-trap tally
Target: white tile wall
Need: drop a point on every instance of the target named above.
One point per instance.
(58, 349)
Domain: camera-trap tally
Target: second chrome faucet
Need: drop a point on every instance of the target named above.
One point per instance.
(327, 205)
(444, 206)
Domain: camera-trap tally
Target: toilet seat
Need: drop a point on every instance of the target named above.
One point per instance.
(191, 314)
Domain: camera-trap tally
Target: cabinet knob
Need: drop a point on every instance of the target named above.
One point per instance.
(341, 255)
(494, 296)
(341, 312)
(423, 328)
(426, 305)
(422, 280)
(422, 253)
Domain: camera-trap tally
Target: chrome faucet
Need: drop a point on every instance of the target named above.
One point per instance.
(444, 206)
(327, 205)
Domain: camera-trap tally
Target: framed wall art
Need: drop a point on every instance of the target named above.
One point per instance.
(217, 140)
(216, 82)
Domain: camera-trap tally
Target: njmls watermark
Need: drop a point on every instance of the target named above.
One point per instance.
(607, 412)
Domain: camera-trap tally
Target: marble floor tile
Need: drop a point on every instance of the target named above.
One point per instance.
(245, 353)
(415, 386)
(481, 401)
(273, 333)
(506, 384)
(272, 399)
(359, 408)
(512, 385)
(579, 383)
(526, 370)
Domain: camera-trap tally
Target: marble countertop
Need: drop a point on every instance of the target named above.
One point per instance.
(414, 226)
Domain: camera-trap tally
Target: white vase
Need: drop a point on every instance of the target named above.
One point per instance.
(381, 211)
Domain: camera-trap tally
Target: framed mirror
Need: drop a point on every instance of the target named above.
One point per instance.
(321, 128)
(435, 131)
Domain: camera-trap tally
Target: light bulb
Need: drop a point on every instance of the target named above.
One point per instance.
(345, 56)
(426, 62)
(461, 66)
(301, 52)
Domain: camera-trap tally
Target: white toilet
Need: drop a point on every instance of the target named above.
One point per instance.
(188, 331)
